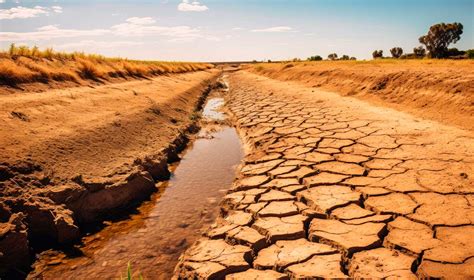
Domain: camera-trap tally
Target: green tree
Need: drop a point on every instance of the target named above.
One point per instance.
(470, 54)
(396, 52)
(419, 51)
(377, 54)
(332, 56)
(315, 58)
(440, 36)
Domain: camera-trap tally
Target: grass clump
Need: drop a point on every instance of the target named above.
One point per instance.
(130, 273)
(21, 64)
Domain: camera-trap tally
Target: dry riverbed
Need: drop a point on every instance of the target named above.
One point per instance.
(329, 186)
(153, 238)
(333, 187)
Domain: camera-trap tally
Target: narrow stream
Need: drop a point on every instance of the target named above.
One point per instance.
(153, 238)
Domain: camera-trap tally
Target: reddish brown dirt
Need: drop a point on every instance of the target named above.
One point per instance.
(441, 90)
(72, 156)
(334, 187)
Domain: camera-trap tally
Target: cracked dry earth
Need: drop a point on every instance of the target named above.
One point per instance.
(332, 187)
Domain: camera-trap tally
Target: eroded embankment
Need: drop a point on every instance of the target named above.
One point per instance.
(152, 238)
(442, 90)
(334, 187)
(74, 156)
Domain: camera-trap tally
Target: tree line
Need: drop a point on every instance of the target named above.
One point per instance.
(435, 44)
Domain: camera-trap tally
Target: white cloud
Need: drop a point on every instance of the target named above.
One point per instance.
(237, 28)
(194, 6)
(96, 44)
(274, 29)
(57, 9)
(132, 27)
(49, 32)
(140, 20)
(24, 12)
(129, 29)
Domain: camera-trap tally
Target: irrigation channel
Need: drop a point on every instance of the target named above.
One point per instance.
(153, 238)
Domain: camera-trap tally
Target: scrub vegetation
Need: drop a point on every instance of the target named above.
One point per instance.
(22, 65)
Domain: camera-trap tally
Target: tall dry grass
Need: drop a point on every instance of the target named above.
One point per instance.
(21, 64)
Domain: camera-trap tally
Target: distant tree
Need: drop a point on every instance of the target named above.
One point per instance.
(470, 53)
(439, 37)
(455, 52)
(377, 54)
(269, 61)
(419, 51)
(315, 58)
(344, 57)
(396, 52)
(353, 58)
(332, 56)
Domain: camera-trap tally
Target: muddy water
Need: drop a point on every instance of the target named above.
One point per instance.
(153, 238)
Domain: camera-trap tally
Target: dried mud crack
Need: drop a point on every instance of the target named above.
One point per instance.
(333, 187)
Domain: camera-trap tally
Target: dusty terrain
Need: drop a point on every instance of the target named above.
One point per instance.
(441, 90)
(71, 156)
(334, 187)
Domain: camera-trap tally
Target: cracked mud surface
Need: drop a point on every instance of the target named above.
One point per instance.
(334, 187)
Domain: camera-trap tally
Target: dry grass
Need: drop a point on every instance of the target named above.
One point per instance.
(22, 65)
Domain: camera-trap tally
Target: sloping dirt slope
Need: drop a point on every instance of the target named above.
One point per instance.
(72, 156)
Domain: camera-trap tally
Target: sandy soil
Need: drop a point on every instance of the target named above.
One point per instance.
(335, 187)
(441, 90)
(69, 156)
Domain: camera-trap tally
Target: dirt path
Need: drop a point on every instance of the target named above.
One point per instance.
(335, 187)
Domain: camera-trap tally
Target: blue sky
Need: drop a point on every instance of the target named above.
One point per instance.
(219, 30)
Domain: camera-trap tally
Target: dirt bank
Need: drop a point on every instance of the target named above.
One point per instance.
(442, 90)
(72, 156)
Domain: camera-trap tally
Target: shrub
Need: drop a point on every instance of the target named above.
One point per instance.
(455, 52)
(377, 54)
(419, 51)
(314, 58)
(470, 53)
(344, 57)
(87, 70)
(332, 56)
(12, 74)
(440, 36)
(396, 52)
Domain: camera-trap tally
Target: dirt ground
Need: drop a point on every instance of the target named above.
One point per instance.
(69, 156)
(335, 187)
(441, 90)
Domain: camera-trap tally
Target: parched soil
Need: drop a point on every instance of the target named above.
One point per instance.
(334, 187)
(72, 156)
(441, 90)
